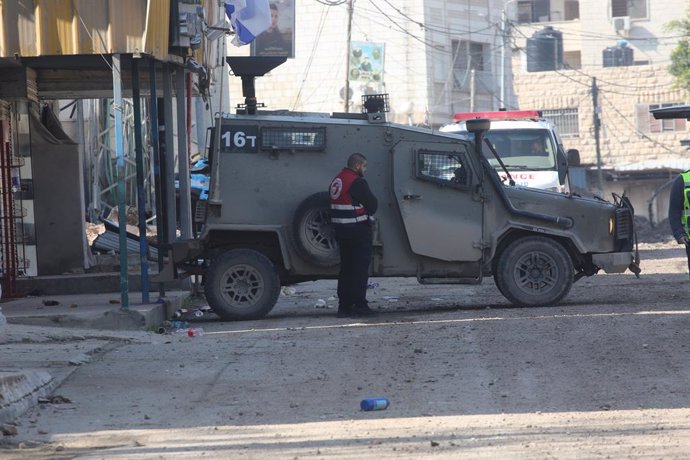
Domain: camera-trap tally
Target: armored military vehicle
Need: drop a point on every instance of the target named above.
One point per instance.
(444, 214)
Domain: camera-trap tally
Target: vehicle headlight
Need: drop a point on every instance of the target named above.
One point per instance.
(612, 225)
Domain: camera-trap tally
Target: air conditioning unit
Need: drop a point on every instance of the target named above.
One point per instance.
(621, 24)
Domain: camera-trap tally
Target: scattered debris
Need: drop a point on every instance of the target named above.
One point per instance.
(288, 290)
(50, 303)
(179, 313)
(109, 240)
(9, 429)
(80, 359)
(370, 404)
(195, 332)
(54, 399)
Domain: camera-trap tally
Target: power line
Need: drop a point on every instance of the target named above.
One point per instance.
(635, 128)
(332, 2)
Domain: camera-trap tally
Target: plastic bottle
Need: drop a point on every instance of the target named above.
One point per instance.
(195, 332)
(374, 404)
(178, 324)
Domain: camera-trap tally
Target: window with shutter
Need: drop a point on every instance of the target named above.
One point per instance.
(646, 123)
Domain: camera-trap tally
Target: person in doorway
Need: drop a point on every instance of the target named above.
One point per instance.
(352, 207)
(678, 211)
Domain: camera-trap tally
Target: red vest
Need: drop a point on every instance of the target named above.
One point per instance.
(343, 210)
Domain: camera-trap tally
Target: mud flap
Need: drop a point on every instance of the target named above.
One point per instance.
(169, 273)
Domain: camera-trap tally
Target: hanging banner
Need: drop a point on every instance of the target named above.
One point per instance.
(279, 38)
(366, 62)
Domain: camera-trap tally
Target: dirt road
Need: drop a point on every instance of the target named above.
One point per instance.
(602, 375)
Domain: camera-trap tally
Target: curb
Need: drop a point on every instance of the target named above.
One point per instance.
(20, 391)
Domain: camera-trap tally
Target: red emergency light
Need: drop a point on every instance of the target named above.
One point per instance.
(501, 115)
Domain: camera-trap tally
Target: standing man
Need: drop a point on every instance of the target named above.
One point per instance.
(679, 210)
(352, 207)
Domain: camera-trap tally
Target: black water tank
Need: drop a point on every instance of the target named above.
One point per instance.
(617, 56)
(545, 50)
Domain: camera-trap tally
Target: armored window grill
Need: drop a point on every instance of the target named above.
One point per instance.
(293, 138)
(566, 121)
(442, 167)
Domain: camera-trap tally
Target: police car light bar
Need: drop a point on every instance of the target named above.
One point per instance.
(502, 115)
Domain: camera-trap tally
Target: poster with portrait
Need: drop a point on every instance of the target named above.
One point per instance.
(366, 62)
(279, 39)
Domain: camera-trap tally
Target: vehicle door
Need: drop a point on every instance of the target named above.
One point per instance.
(435, 187)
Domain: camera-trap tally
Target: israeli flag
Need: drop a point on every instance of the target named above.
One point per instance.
(249, 18)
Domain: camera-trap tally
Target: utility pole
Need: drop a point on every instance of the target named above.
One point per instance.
(597, 128)
(504, 38)
(473, 89)
(346, 91)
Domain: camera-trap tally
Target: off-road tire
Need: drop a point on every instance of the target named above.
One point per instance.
(312, 232)
(242, 284)
(534, 271)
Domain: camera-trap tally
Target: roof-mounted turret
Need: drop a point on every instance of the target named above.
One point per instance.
(247, 68)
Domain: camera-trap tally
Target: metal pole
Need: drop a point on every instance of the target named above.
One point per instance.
(120, 167)
(156, 169)
(597, 128)
(504, 35)
(141, 197)
(168, 159)
(473, 89)
(185, 211)
(346, 91)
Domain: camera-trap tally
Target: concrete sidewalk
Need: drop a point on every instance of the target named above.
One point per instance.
(93, 311)
(47, 337)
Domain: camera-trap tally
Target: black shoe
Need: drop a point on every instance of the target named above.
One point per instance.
(344, 312)
(363, 311)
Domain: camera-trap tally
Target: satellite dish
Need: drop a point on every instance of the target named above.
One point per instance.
(349, 93)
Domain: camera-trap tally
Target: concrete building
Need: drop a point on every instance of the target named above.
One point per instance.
(438, 57)
(615, 65)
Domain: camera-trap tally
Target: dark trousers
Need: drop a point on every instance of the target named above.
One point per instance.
(355, 256)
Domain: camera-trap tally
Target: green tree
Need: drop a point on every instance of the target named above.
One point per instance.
(680, 57)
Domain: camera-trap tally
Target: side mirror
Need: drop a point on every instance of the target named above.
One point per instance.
(573, 157)
(562, 166)
(478, 126)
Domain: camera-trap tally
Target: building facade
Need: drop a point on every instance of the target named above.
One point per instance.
(613, 70)
(439, 57)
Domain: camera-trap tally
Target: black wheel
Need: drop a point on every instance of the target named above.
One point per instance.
(313, 234)
(534, 271)
(242, 284)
